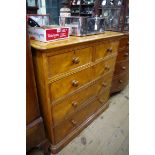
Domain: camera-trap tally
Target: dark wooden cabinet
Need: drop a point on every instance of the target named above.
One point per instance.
(31, 6)
(121, 74)
(35, 134)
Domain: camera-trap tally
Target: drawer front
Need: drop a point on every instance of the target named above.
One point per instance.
(121, 67)
(106, 48)
(120, 81)
(35, 134)
(104, 67)
(64, 62)
(70, 83)
(123, 55)
(66, 127)
(124, 43)
(68, 106)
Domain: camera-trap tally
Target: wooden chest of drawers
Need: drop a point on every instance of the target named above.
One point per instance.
(73, 81)
(121, 74)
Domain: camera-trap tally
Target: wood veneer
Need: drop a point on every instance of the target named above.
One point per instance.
(73, 92)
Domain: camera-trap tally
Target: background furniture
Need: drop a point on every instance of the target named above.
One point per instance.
(73, 80)
(31, 6)
(35, 134)
(121, 74)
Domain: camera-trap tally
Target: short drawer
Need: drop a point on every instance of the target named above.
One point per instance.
(72, 103)
(104, 49)
(120, 81)
(124, 43)
(72, 123)
(123, 55)
(70, 83)
(69, 60)
(121, 67)
(105, 66)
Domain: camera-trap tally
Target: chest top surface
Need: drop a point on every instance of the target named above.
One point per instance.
(72, 40)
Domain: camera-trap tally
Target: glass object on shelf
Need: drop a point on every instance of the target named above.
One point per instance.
(111, 2)
(104, 3)
(118, 2)
(65, 9)
(88, 2)
(86, 10)
(78, 2)
(82, 26)
(74, 2)
(112, 18)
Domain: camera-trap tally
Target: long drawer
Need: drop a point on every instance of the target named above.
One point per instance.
(72, 103)
(69, 60)
(70, 83)
(121, 67)
(69, 125)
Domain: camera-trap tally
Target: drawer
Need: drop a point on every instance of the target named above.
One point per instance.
(104, 49)
(70, 83)
(120, 81)
(123, 55)
(67, 61)
(105, 66)
(72, 123)
(35, 134)
(121, 67)
(124, 43)
(69, 105)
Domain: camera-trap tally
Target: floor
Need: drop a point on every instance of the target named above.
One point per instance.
(107, 135)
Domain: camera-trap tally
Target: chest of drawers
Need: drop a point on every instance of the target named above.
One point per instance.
(73, 81)
(121, 73)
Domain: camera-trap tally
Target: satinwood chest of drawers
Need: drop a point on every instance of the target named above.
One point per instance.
(121, 73)
(73, 80)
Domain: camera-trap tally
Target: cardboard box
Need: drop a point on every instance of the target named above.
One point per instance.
(47, 34)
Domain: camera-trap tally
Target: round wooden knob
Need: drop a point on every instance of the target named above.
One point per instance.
(107, 67)
(104, 84)
(109, 50)
(76, 60)
(124, 68)
(127, 44)
(120, 81)
(74, 104)
(75, 83)
(73, 122)
(126, 54)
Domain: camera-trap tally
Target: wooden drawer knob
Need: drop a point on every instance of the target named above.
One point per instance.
(104, 84)
(120, 81)
(107, 67)
(74, 104)
(75, 83)
(127, 44)
(126, 54)
(74, 122)
(124, 68)
(109, 50)
(76, 60)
